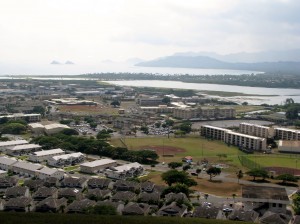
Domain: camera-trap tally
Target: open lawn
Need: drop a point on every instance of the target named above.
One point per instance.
(267, 160)
(247, 108)
(196, 147)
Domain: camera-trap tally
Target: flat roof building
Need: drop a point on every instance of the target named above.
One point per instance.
(46, 172)
(66, 160)
(287, 134)
(97, 165)
(256, 130)
(44, 155)
(6, 163)
(22, 149)
(55, 128)
(4, 145)
(289, 146)
(25, 168)
(28, 117)
(125, 171)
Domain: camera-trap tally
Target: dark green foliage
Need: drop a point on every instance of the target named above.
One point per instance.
(145, 129)
(115, 103)
(177, 188)
(213, 171)
(103, 134)
(66, 121)
(296, 204)
(69, 131)
(166, 100)
(174, 165)
(287, 178)
(39, 110)
(257, 172)
(19, 121)
(175, 176)
(292, 111)
(13, 128)
(186, 127)
(186, 167)
(102, 210)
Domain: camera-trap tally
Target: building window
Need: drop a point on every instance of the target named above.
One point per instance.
(274, 205)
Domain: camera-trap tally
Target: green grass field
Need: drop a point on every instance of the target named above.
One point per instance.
(197, 147)
(48, 218)
(290, 161)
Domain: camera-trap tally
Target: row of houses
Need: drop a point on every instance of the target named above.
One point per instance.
(29, 169)
(21, 116)
(248, 142)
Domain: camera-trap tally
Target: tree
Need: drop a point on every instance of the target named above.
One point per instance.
(13, 128)
(177, 188)
(293, 111)
(66, 121)
(39, 110)
(186, 167)
(93, 125)
(257, 172)
(286, 178)
(186, 127)
(289, 101)
(213, 171)
(103, 135)
(245, 103)
(296, 204)
(157, 124)
(166, 100)
(174, 165)
(239, 175)
(69, 131)
(115, 103)
(145, 129)
(175, 176)
(169, 122)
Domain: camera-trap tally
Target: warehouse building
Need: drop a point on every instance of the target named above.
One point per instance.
(44, 155)
(97, 165)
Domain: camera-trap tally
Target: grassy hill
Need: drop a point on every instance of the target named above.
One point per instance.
(48, 218)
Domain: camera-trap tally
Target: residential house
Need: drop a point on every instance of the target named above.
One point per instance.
(147, 186)
(97, 194)
(20, 204)
(4, 145)
(119, 206)
(177, 197)
(70, 193)
(123, 185)
(149, 198)
(3, 173)
(34, 185)
(73, 182)
(45, 192)
(17, 191)
(47, 172)
(274, 217)
(124, 196)
(6, 182)
(172, 210)
(22, 149)
(66, 160)
(133, 208)
(44, 155)
(51, 205)
(80, 206)
(245, 216)
(101, 183)
(208, 212)
(26, 169)
(51, 182)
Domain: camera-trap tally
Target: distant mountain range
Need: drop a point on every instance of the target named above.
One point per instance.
(276, 61)
(59, 63)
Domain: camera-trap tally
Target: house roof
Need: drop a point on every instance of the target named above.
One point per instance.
(271, 217)
(148, 197)
(68, 192)
(266, 193)
(72, 180)
(80, 205)
(7, 161)
(172, 209)
(48, 152)
(48, 171)
(133, 208)
(206, 212)
(242, 215)
(123, 196)
(176, 197)
(102, 182)
(125, 183)
(100, 162)
(18, 202)
(15, 191)
(98, 192)
(52, 203)
(15, 142)
(27, 166)
(44, 192)
(24, 147)
(67, 156)
(34, 184)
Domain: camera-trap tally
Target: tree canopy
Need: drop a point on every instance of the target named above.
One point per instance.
(287, 178)
(175, 176)
(257, 172)
(213, 171)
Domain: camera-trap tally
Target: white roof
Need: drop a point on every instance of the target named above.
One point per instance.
(55, 125)
(27, 166)
(47, 171)
(67, 156)
(214, 127)
(36, 125)
(2, 171)
(22, 147)
(98, 162)
(246, 136)
(48, 152)
(288, 129)
(20, 115)
(127, 167)
(255, 125)
(7, 161)
(16, 142)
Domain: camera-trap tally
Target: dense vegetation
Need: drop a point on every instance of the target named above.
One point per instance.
(40, 218)
(95, 147)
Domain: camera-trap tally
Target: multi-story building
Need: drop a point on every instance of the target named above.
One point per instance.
(66, 160)
(97, 165)
(46, 172)
(203, 113)
(158, 109)
(44, 155)
(256, 130)
(27, 117)
(149, 101)
(234, 138)
(287, 134)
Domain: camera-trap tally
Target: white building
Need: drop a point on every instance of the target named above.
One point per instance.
(248, 142)
(289, 146)
(3, 173)
(66, 160)
(256, 130)
(29, 117)
(55, 128)
(6, 163)
(44, 155)
(36, 128)
(22, 149)
(97, 165)
(4, 145)
(25, 168)
(287, 134)
(125, 171)
(46, 172)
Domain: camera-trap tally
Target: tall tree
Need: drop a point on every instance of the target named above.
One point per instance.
(213, 171)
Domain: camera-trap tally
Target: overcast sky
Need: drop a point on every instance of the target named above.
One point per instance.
(94, 30)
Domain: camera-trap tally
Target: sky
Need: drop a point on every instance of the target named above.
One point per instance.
(90, 31)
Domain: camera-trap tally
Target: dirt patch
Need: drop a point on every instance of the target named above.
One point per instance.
(164, 150)
(283, 170)
(91, 109)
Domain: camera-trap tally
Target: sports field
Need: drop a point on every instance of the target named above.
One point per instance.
(282, 160)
